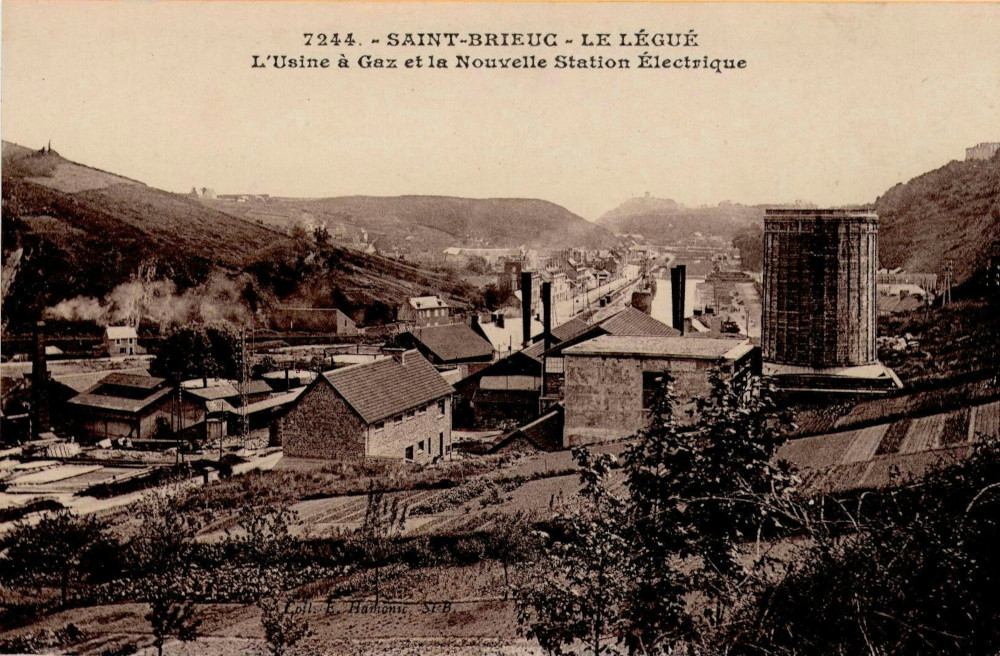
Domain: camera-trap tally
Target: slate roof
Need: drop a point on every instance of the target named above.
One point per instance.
(678, 347)
(561, 333)
(453, 342)
(118, 403)
(427, 302)
(223, 391)
(386, 387)
(120, 332)
(137, 381)
(633, 322)
(570, 329)
(544, 433)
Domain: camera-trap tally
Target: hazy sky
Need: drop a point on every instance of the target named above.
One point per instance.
(837, 103)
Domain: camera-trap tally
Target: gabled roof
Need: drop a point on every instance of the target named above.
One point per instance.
(508, 338)
(544, 433)
(118, 403)
(386, 387)
(570, 329)
(633, 322)
(453, 342)
(132, 380)
(427, 302)
(561, 333)
(223, 391)
(120, 332)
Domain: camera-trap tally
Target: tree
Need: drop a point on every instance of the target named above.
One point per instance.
(264, 540)
(53, 551)
(510, 540)
(171, 609)
(322, 236)
(575, 590)
(750, 242)
(283, 630)
(695, 495)
(198, 351)
(162, 537)
(160, 547)
(384, 521)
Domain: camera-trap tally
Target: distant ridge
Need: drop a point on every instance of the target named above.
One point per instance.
(436, 222)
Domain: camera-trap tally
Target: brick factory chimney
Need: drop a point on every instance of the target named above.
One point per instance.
(547, 314)
(526, 305)
(678, 280)
(39, 385)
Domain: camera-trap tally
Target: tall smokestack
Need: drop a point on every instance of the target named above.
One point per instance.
(678, 279)
(526, 305)
(39, 384)
(547, 314)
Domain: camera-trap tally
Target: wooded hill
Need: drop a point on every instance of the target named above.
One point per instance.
(950, 214)
(70, 230)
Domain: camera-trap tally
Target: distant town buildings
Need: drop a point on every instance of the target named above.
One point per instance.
(984, 150)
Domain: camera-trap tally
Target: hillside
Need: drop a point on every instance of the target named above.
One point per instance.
(83, 232)
(949, 214)
(664, 220)
(433, 223)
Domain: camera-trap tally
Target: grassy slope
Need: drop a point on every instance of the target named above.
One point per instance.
(85, 231)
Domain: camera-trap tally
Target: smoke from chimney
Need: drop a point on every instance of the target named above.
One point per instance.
(678, 280)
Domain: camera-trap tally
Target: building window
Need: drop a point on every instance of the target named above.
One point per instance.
(441, 407)
(651, 381)
(554, 365)
(379, 426)
(410, 414)
(409, 453)
(420, 446)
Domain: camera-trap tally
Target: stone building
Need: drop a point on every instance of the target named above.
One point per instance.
(394, 407)
(609, 380)
(984, 150)
(425, 311)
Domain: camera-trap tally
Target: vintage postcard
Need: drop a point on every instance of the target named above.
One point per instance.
(500, 328)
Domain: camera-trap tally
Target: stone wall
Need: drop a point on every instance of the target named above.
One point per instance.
(603, 395)
(322, 425)
(426, 424)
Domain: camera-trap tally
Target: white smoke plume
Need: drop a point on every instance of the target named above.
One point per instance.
(218, 299)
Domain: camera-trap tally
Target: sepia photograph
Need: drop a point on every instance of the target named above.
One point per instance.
(500, 328)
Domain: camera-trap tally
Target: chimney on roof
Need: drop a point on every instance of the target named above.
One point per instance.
(39, 384)
(678, 279)
(547, 314)
(526, 305)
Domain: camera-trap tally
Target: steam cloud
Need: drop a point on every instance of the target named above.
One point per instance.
(216, 300)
